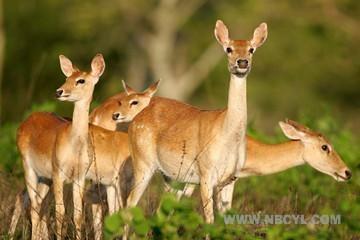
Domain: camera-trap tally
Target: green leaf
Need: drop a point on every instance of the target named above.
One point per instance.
(141, 228)
(113, 223)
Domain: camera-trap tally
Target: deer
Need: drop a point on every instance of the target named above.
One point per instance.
(305, 146)
(63, 151)
(100, 116)
(38, 137)
(193, 145)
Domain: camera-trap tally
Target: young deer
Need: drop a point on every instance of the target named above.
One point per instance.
(305, 146)
(39, 142)
(193, 145)
(42, 128)
(102, 115)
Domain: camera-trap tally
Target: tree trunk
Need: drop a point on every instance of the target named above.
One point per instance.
(168, 18)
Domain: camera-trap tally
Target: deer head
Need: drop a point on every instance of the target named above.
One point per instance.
(133, 103)
(79, 85)
(240, 52)
(318, 151)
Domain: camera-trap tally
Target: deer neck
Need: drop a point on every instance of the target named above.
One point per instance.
(236, 113)
(80, 122)
(266, 159)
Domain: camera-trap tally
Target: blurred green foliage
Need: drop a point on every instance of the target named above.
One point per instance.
(311, 55)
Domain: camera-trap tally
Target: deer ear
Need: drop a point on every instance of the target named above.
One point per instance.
(127, 88)
(260, 35)
(290, 131)
(151, 90)
(221, 33)
(97, 65)
(66, 66)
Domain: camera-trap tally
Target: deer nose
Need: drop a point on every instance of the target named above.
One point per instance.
(115, 116)
(59, 93)
(242, 63)
(348, 174)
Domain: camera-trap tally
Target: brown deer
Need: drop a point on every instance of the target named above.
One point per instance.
(305, 146)
(53, 148)
(193, 145)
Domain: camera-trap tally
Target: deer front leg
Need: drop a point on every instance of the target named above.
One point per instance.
(58, 185)
(78, 194)
(206, 191)
(114, 196)
(112, 199)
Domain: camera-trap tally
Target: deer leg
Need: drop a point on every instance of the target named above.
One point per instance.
(97, 223)
(78, 196)
(42, 190)
(187, 190)
(111, 199)
(94, 196)
(224, 198)
(142, 177)
(21, 204)
(58, 185)
(206, 191)
(114, 197)
(32, 186)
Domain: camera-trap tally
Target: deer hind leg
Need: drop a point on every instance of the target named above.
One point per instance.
(224, 198)
(114, 197)
(94, 196)
(144, 164)
(43, 189)
(142, 177)
(187, 191)
(32, 187)
(21, 204)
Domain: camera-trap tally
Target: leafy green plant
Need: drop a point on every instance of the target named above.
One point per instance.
(173, 220)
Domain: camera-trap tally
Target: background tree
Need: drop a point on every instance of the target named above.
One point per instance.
(2, 53)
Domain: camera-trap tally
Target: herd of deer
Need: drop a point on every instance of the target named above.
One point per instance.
(184, 143)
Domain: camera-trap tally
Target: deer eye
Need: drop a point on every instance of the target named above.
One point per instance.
(251, 50)
(133, 103)
(80, 81)
(229, 50)
(325, 148)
